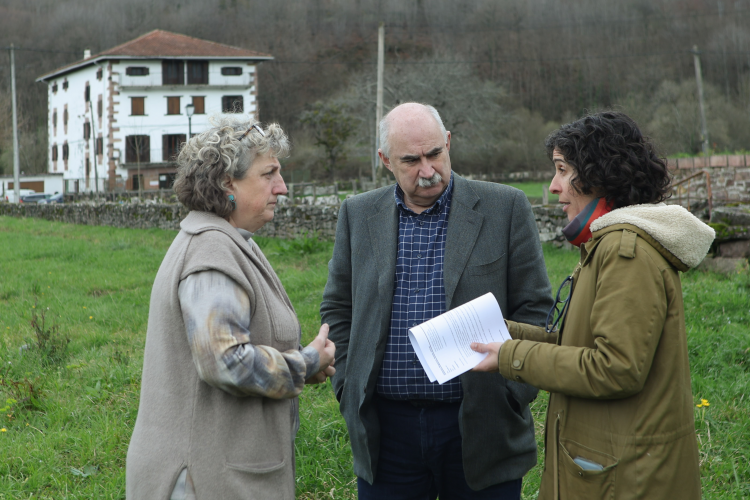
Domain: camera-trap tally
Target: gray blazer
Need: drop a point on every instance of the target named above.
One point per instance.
(493, 246)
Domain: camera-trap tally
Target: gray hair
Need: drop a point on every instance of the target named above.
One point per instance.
(208, 161)
(384, 128)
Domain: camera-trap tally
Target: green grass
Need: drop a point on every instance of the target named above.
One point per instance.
(534, 191)
(70, 440)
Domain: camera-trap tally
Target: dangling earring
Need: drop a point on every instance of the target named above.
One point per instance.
(233, 202)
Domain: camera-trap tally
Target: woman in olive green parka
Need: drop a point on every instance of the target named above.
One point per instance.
(620, 418)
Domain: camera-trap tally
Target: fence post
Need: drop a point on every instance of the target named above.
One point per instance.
(545, 195)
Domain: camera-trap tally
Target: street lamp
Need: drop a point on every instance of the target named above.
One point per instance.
(189, 110)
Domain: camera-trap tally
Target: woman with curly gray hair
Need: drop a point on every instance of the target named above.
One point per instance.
(223, 366)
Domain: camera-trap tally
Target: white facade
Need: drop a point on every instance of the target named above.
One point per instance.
(113, 115)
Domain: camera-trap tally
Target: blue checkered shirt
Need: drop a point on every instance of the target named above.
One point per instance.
(418, 296)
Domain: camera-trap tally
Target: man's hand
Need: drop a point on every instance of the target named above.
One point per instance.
(488, 364)
(326, 353)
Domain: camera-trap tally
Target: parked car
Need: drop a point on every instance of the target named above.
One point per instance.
(55, 198)
(10, 194)
(35, 197)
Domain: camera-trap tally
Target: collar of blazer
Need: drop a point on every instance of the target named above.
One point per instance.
(464, 225)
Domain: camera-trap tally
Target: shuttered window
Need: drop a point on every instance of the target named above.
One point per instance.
(171, 144)
(199, 103)
(172, 73)
(231, 104)
(137, 149)
(173, 105)
(137, 106)
(197, 72)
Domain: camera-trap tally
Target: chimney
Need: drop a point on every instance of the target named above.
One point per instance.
(87, 53)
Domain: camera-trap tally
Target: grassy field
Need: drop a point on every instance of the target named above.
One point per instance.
(534, 191)
(66, 418)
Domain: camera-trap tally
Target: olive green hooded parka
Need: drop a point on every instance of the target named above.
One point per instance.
(618, 373)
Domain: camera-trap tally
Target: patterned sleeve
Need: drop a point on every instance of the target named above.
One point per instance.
(216, 311)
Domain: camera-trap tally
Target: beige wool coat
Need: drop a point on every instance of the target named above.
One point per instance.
(234, 447)
(618, 373)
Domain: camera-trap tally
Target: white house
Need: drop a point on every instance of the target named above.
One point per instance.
(130, 104)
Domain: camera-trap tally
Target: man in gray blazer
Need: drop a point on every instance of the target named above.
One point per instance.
(402, 256)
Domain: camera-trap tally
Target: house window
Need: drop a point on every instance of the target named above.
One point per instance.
(137, 149)
(135, 71)
(54, 88)
(173, 105)
(88, 166)
(87, 93)
(137, 106)
(65, 116)
(172, 73)
(99, 74)
(99, 109)
(99, 145)
(231, 104)
(65, 84)
(137, 180)
(54, 119)
(197, 72)
(171, 145)
(86, 130)
(199, 102)
(54, 152)
(166, 181)
(65, 150)
(231, 71)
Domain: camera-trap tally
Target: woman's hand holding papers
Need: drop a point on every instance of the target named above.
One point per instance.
(488, 364)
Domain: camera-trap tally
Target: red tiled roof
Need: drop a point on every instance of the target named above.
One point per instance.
(163, 44)
(159, 43)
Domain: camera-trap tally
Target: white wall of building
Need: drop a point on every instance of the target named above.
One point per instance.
(78, 114)
(155, 123)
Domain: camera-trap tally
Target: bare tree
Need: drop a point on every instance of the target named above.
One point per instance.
(331, 125)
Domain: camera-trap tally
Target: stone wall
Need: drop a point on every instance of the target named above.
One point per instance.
(130, 215)
(550, 221)
(730, 179)
(290, 221)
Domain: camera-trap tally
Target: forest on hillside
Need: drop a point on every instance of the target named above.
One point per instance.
(503, 73)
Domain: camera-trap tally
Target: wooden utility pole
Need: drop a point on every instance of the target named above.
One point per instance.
(16, 160)
(699, 82)
(379, 104)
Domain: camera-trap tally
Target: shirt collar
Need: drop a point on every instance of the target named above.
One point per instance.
(439, 204)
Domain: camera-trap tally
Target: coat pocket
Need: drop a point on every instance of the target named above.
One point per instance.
(258, 480)
(497, 264)
(577, 482)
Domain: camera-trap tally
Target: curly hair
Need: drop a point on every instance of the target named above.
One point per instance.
(209, 160)
(612, 158)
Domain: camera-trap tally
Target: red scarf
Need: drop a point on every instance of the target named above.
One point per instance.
(577, 232)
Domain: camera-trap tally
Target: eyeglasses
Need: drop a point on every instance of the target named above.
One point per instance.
(557, 313)
(253, 126)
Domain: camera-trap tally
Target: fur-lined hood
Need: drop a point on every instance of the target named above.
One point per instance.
(679, 232)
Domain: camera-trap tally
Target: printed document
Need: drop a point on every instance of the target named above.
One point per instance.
(443, 344)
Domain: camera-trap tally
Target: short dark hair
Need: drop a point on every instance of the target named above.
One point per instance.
(612, 158)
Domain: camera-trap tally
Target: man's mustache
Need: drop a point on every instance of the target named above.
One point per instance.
(432, 181)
